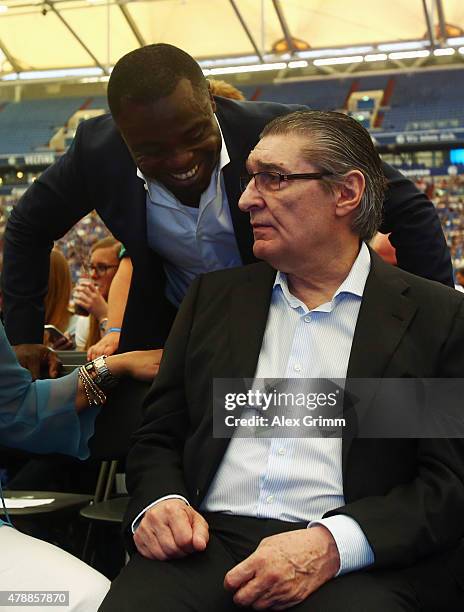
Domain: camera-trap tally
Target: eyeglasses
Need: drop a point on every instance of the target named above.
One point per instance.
(99, 269)
(271, 181)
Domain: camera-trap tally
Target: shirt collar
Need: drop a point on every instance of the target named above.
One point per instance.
(224, 159)
(353, 284)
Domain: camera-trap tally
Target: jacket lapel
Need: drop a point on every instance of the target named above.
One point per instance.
(385, 314)
(249, 308)
(246, 321)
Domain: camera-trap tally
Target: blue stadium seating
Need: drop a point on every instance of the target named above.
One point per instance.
(28, 125)
(97, 102)
(434, 97)
(327, 94)
(431, 100)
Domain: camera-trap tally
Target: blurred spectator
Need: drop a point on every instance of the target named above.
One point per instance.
(459, 278)
(383, 247)
(57, 311)
(117, 300)
(224, 89)
(102, 267)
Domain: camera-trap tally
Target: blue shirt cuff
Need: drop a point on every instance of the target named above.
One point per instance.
(353, 547)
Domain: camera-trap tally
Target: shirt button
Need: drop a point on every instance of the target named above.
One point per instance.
(270, 499)
(297, 367)
(281, 451)
(307, 319)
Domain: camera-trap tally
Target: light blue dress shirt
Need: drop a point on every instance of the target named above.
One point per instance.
(41, 416)
(298, 479)
(190, 240)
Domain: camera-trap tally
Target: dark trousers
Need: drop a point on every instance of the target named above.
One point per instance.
(195, 583)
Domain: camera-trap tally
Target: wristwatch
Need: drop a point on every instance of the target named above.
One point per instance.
(102, 376)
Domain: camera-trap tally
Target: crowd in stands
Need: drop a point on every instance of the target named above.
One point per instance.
(75, 245)
(447, 193)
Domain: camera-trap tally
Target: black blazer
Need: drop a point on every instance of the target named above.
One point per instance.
(406, 494)
(98, 173)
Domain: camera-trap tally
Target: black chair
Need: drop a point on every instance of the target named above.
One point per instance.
(71, 360)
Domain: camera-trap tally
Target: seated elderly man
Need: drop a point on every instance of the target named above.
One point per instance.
(321, 524)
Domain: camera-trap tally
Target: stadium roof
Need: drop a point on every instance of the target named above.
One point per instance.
(92, 35)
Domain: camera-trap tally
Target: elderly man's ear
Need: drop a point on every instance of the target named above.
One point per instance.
(350, 193)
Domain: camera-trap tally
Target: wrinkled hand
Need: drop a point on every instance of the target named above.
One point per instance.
(41, 361)
(171, 530)
(89, 297)
(142, 365)
(108, 345)
(285, 569)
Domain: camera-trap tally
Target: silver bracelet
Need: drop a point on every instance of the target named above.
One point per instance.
(101, 375)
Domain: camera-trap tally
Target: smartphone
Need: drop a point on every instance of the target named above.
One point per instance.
(54, 333)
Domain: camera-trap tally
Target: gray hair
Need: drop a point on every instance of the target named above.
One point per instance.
(336, 143)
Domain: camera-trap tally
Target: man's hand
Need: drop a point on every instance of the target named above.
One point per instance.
(41, 361)
(285, 569)
(171, 530)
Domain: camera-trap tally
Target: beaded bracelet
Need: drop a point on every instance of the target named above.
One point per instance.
(94, 394)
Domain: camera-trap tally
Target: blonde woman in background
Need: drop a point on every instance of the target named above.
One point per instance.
(57, 311)
(92, 296)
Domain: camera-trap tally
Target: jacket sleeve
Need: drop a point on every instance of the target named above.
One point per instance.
(155, 462)
(416, 231)
(48, 209)
(422, 516)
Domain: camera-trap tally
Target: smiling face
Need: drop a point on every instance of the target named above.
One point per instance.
(301, 221)
(175, 140)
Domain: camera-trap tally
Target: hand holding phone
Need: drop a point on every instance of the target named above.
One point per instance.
(58, 340)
